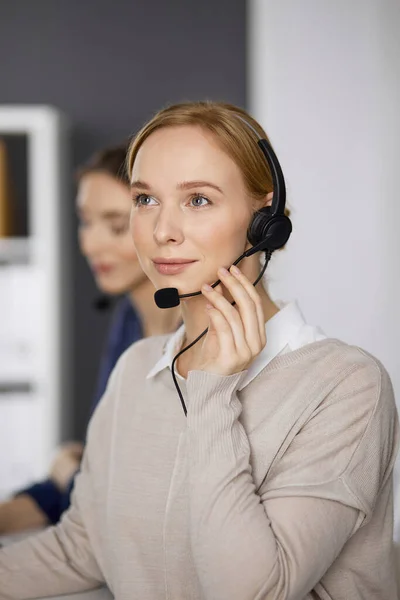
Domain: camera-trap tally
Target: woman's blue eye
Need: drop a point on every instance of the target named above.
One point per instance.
(143, 200)
(199, 201)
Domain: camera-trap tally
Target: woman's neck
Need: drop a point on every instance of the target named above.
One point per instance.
(155, 321)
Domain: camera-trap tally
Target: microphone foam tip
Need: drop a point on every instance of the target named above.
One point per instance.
(167, 298)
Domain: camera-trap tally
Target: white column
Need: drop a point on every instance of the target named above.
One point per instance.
(324, 80)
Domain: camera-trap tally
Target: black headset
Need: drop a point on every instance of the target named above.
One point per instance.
(269, 230)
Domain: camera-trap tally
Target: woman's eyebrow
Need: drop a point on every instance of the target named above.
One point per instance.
(140, 184)
(114, 214)
(107, 214)
(184, 185)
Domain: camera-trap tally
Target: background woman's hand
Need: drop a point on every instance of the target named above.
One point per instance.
(65, 464)
(236, 334)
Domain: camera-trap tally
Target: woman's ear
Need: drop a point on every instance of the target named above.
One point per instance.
(269, 199)
(264, 202)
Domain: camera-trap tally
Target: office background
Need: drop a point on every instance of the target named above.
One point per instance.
(322, 77)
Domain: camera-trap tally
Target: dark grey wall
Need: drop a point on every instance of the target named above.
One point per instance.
(109, 64)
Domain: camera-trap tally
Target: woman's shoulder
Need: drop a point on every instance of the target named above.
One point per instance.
(349, 370)
(142, 355)
(334, 371)
(332, 352)
(361, 359)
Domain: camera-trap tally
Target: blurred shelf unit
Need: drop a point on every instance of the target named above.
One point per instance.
(14, 251)
(34, 292)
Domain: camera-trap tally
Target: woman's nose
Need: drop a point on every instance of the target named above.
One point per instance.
(168, 227)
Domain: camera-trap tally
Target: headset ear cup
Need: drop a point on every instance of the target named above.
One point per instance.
(255, 233)
(273, 230)
(278, 232)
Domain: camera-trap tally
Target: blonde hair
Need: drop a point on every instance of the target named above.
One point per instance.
(233, 135)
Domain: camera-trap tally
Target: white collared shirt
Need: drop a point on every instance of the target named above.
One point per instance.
(286, 331)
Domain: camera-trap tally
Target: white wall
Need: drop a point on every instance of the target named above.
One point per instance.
(324, 80)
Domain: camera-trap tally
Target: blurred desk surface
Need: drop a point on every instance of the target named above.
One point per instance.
(101, 594)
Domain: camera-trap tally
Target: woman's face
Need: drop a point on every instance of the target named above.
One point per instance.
(190, 204)
(103, 206)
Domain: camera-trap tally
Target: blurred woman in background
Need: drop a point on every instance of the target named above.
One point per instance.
(103, 205)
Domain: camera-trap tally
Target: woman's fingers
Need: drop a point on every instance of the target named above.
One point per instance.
(236, 333)
(231, 315)
(254, 295)
(249, 307)
(221, 329)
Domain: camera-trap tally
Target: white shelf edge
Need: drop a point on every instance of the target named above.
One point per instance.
(25, 119)
(8, 388)
(15, 250)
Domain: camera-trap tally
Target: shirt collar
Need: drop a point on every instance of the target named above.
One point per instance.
(171, 348)
(286, 329)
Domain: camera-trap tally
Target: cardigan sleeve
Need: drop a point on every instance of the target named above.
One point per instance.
(278, 541)
(56, 561)
(61, 559)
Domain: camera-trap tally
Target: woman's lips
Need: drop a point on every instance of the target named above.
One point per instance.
(102, 269)
(171, 268)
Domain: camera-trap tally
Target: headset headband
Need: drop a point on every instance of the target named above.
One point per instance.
(278, 181)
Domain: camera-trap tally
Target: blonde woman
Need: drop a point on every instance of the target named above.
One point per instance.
(277, 484)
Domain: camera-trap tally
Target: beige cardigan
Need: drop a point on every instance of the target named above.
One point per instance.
(280, 491)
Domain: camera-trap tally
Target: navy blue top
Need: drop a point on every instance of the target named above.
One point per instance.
(125, 330)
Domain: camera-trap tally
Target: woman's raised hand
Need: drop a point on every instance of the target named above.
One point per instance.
(236, 334)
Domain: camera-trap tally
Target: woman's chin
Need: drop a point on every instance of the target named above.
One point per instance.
(122, 285)
(111, 289)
